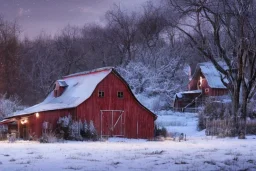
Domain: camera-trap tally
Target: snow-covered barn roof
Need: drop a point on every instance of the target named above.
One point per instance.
(212, 75)
(80, 87)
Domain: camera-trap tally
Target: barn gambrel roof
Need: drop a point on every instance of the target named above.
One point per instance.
(80, 87)
(212, 75)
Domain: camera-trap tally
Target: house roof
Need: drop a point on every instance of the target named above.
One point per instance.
(80, 87)
(212, 75)
(4, 121)
(180, 94)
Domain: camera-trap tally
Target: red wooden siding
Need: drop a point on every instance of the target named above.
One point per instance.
(139, 123)
(182, 102)
(35, 125)
(136, 120)
(192, 85)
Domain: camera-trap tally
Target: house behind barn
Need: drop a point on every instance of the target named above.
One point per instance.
(206, 81)
(100, 95)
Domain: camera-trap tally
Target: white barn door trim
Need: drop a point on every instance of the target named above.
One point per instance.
(113, 124)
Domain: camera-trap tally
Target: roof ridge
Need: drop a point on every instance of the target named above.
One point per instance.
(88, 72)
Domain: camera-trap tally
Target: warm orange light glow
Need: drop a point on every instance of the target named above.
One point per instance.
(37, 115)
(201, 80)
(23, 121)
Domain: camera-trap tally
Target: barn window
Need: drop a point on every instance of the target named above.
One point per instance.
(206, 90)
(120, 94)
(101, 93)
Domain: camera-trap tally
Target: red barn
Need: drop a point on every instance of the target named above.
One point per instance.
(206, 81)
(101, 95)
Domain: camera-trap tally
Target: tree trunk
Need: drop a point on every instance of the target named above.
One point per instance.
(235, 104)
(242, 128)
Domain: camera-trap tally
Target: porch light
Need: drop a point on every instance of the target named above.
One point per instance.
(37, 115)
(23, 121)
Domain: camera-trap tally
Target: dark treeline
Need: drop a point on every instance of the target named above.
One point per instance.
(29, 67)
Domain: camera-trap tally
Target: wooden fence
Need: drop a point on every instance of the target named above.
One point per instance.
(226, 127)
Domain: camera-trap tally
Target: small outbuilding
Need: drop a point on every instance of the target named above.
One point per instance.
(100, 95)
(206, 81)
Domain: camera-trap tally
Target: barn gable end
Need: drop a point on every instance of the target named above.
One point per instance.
(136, 121)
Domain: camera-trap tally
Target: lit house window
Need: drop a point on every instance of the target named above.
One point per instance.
(201, 80)
(120, 94)
(199, 83)
(101, 93)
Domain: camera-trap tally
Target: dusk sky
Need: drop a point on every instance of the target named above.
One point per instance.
(50, 16)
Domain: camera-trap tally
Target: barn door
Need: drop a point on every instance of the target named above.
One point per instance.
(24, 129)
(112, 123)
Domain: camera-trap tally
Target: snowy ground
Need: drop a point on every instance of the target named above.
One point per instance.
(179, 123)
(197, 153)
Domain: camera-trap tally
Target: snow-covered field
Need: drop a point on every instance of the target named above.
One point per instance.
(197, 153)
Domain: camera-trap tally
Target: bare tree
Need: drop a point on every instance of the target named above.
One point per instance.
(151, 24)
(100, 52)
(71, 50)
(222, 30)
(9, 60)
(9, 105)
(122, 31)
(40, 67)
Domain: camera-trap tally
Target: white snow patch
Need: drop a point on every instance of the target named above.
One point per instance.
(177, 122)
(199, 152)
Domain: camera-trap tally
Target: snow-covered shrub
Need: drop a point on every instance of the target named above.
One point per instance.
(85, 132)
(63, 125)
(65, 121)
(154, 87)
(161, 131)
(85, 126)
(9, 105)
(49, 137)
(93, 132)
(75, 130)
(88, 131)
(11, 138)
